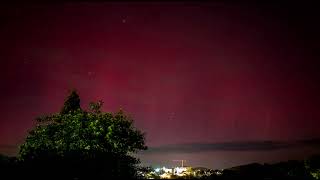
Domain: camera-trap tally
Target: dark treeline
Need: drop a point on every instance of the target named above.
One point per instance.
(292, 169)
(65, 169)
(59, 168)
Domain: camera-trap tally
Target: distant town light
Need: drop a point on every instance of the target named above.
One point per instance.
(157, 170)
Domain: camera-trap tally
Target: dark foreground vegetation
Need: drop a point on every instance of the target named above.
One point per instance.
(12, 167)
(57, 168)
(293, 169)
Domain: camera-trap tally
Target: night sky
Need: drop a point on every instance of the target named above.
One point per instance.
(223, 75)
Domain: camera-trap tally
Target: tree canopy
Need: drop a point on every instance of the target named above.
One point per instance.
(312, 164)
(81, 143)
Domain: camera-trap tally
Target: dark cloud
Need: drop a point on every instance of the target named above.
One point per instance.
(232, 146)
(310, 142)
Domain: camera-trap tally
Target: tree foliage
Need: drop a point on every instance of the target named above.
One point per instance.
(312, 164)
(72, 103)
(84, 143)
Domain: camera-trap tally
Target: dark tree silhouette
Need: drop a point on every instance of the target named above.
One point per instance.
(312, 164)
(82, 144)
(72, 103)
